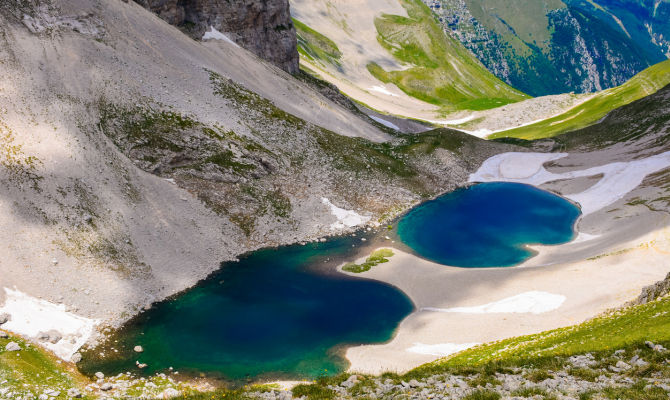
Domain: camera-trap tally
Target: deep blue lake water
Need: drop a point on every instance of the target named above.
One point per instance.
(487, 225)
(284, 313)
(274, 314)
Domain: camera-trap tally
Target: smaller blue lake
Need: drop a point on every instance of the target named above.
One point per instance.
(488, 225)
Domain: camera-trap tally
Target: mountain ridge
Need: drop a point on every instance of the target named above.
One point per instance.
(579, 46)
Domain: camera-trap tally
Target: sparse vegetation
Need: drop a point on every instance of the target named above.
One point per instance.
(438, 63)
(591, 111)
(377, 257)
(31, 371)
(316, 47)
(19, 166)
(313, 392)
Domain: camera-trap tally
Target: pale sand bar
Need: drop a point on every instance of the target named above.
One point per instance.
(590, 287)
(621, 247)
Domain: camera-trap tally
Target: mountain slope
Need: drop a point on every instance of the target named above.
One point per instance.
(392, 56)
(133, 159)
(589, 112)
(262, 27)
(441, 71)
(554, 46)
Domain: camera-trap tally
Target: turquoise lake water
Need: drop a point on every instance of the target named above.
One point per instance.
(277, 313)
(285, 313)
(487, 225)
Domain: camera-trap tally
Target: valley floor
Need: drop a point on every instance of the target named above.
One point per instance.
(562, 285)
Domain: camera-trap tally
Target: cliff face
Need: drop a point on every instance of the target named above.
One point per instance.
(263, 27)
(549, 47)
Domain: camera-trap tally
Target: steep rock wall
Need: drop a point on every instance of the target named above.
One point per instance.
(263, 27)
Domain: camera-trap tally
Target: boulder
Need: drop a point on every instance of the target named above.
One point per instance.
(51, 336)
(350, 382)
(4, 318)
(170, 393)
(138, 349)
(622, 365)
(76, 358)
(12, 346)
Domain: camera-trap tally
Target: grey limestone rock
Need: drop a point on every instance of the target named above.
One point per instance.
(12, 346)
(263, 27)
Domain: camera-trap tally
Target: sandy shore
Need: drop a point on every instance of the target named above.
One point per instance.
(621, 247)
(617, 278)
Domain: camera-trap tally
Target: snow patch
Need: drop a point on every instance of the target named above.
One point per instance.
(213, 34)
(453, 121)
(618, 178)
(345, 218)
(31, 316)
(383, 90)
(442, 349)
(385, 122)
(584, 237)
(534, 302)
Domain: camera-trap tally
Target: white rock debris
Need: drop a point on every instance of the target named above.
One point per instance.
(213, 34)
(31, 317)
(533, 302)
(345, 218)
(442, 349)
(618, 178)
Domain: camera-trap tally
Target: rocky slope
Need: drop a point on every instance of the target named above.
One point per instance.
(263, 27)
(134, 159)
(553, 46)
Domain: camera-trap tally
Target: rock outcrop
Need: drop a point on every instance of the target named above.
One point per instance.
(653, 292)
(263, 27)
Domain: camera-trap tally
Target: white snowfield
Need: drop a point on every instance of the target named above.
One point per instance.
(31, 316)
(213, 34)
(442, 349)
(345, 218)
(385, 122)
(618, 178)
(453, 121)
(533, 302)
(383, 90)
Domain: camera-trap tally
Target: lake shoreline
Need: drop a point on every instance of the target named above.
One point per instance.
(618, 249)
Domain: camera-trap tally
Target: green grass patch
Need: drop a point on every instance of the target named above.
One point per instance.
(314, 46)
(31, 371)
(313, 392)
(538, 375)
(618, 330)
(635, 392)
(443, 71)
(226, 159)
(482, 394)
(377, 257)
(530, 392)
(145, 127)
(585, 374)
(483, 379)
(588, 113)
